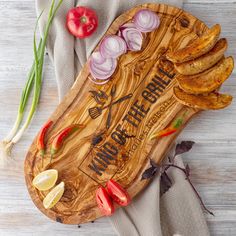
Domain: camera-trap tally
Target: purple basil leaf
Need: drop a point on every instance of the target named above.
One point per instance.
(183, 147)
(165, 183)
(149, 173)
(187, 170)
(153, 164)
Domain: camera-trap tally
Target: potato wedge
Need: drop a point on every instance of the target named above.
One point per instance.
(209, 80)
(197, 48)
(205, 61)
(212, 101)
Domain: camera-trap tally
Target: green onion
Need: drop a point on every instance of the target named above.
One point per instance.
(34, 78)
(23, 101)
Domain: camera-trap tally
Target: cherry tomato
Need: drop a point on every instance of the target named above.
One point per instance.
(118, 194)
(82, 21)
(104, 202)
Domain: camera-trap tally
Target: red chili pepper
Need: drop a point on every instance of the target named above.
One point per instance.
(118, 193)
(104, 202)
(174, 126)
(60, 138)
(166, 132)
(41, 138)
(82, 21)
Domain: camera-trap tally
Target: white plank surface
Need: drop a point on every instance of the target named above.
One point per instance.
(213, 159)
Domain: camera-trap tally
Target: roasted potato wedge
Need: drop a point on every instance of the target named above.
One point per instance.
(197, 48)
(205, 61)
(212, 101)
(209, 80)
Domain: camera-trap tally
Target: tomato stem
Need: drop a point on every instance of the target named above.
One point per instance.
(83, 19)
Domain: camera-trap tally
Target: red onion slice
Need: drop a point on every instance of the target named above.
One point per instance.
(132, 36)
(112, 46)
(101, 68)
(128, 25)
(146, 20)
(98, 82)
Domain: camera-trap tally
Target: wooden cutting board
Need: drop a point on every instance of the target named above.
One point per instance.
(126, 147)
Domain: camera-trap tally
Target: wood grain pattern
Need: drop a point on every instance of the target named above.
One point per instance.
(137, 74)
(19, 216)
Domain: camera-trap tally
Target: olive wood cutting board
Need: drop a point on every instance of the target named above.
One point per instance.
(125, 149)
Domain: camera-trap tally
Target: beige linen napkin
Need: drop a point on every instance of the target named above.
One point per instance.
(177, 211)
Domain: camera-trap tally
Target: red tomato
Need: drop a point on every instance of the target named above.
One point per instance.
(104, 201)
(118, 194)
(82, 21)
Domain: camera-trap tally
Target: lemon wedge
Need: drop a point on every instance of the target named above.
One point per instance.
(54, 196)
(45, 180)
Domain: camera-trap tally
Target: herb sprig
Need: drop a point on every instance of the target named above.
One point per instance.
(165, 180)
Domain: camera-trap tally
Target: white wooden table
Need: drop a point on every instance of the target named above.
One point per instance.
(213, 159)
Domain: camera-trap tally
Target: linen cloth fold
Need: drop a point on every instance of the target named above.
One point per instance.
(178, 211)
